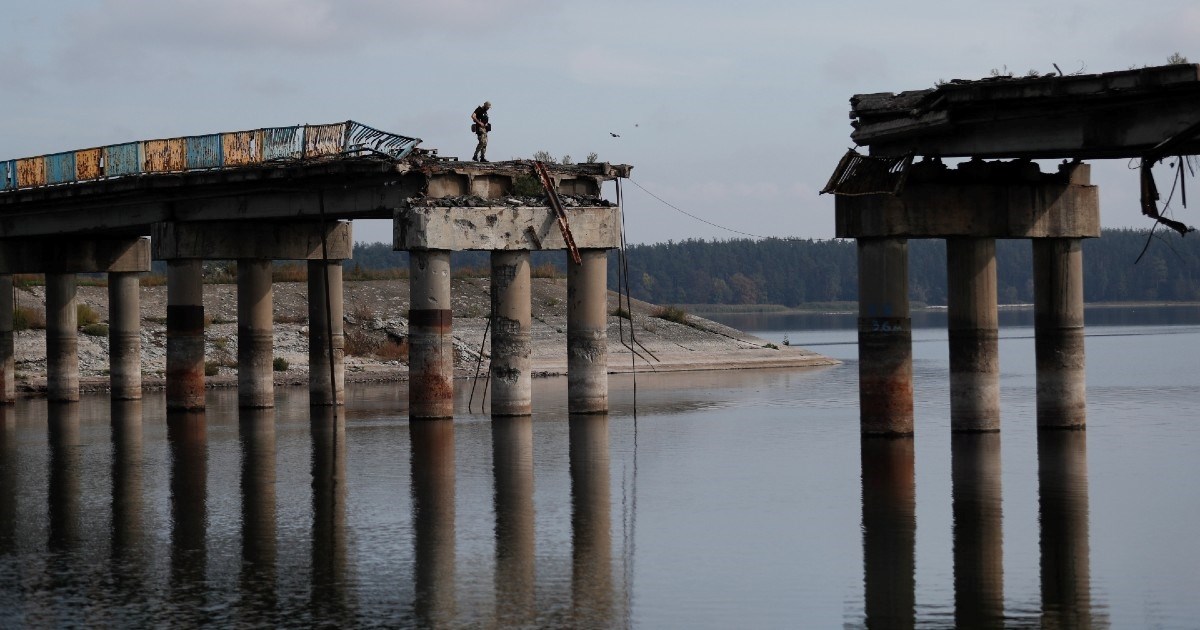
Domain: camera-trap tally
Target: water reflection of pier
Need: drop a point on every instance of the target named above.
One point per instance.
(889, 532)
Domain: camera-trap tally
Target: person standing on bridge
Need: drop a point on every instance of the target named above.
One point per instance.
(481, 127)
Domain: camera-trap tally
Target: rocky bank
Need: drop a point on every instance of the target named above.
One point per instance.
(376, 326)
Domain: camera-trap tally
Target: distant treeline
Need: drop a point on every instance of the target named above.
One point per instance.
(795, 272)
(788, 272)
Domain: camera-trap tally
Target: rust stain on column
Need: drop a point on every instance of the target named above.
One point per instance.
(587, 333)
(8, 362)
(62, 338)
(512, 384)
(431, 343)
(1058, 333)
(973, 332)
(884, 338)
(185, 335)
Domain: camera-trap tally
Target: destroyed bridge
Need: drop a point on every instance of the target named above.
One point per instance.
(290, 193)
(888, 197)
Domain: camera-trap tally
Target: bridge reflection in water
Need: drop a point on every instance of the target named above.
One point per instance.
(889, 528)
(264, 516)
(186, 517)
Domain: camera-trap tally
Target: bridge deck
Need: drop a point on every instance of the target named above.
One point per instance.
(1111, 115)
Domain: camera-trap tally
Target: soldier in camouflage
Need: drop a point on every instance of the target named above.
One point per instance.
(481, 127)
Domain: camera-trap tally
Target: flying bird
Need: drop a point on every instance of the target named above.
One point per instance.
(614, 135)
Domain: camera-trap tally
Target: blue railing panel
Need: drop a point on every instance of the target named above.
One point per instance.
(8, 174)
(60, 168)
(123, 159)
(204, 151)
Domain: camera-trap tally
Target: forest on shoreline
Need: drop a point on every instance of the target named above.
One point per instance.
(797, 272)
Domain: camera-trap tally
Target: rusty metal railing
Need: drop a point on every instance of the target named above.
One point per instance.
(213, 151)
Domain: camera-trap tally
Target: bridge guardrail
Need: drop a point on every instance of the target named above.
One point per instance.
(212, 151)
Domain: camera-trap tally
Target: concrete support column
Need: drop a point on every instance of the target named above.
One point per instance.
(1058, 333)
(124, 336)
(324, 325)
(8, 361)
(512, 380)
(974, 325)
(62, 338)
(256, 378)
(431, 342)
(587, 333)
(884, 338)
(185, 335)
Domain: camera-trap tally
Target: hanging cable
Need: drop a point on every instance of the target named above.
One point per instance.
(623, 281)
(478, 364)
(706, 221)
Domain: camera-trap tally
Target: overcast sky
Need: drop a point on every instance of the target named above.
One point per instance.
(733, 111)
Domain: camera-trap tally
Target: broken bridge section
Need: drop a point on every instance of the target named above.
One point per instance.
(890, 196)
(291, 193)
(478, 208)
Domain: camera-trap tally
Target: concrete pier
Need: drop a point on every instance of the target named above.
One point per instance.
(1058, 333)
(970, 206)
(325, 312)
(256, 344)
(8, 360)
(884, 338)
(254, 244)
(124, 336)
(978, 530)
(973, 331)
(511, 378)
(510, 233)
(431, 342)
(62, 338)
(185, 335)
(587, 333)
(512, 467)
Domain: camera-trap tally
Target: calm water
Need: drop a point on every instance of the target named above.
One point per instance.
(740, 499)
